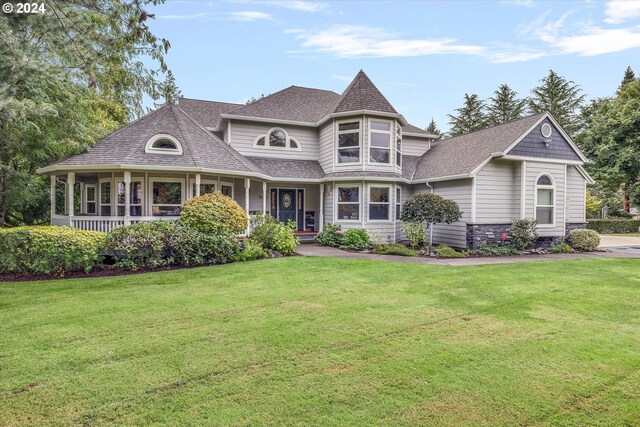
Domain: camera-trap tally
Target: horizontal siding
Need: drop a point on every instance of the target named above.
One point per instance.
(244, 134)
(557, 171)
(326, 147)
(414, 146)
(454, 235)
(576, 195)
(329, 188)
(497, 193)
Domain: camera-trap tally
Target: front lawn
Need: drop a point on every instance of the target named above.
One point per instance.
(327, 341)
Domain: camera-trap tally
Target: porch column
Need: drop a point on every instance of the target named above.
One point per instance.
(53, 196)
(247, 185)
(71, 184)
(264, 198)
(127, 197)
(321, 213)
(198, 186)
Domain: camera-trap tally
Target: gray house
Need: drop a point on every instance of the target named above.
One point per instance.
(318, 157)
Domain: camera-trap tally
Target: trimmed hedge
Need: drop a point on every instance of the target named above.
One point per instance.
(214, 213)
(49, 249)
(584, 240)
(614, 226)
(160, 243)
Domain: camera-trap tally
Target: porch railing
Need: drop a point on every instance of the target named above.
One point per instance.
(108, 223)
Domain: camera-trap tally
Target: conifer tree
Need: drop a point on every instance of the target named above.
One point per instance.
(505, 106)
(470, 117)
(560, 97)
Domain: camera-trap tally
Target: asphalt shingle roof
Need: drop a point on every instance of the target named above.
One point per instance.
(414, 129)
(295, 103)
(206, 113)
(285, 168)
(362, 94)
(462, 154)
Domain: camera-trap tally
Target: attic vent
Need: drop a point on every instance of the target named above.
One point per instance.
(164, 144)
(546, 130)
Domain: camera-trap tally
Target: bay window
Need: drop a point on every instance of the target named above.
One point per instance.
(349, 142)
(379, 202)
(398, 202)
(379, 141)
(348, 203)
(166, 197)
(398, 145)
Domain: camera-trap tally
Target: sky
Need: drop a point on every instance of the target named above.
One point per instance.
(423, 56)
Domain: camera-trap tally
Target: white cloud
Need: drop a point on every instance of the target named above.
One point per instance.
(582, 38)
(355, 41)
(524, 3)
(299, 5)
(250, 16)
(619, 11)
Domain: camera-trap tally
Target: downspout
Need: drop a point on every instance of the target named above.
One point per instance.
(431, 224)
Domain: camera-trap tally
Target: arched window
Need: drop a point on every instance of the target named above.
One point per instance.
(277, 139)
(545, 201)
(163, 143)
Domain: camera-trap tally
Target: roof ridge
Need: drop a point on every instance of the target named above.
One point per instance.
(371, 87)
(208, 100)
(488, 128)
(250, 165)
(174, 111)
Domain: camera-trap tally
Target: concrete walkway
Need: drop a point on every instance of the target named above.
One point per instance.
(316, 250)
(618, 240)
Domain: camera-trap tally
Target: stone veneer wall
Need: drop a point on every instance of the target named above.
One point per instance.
(491, 234)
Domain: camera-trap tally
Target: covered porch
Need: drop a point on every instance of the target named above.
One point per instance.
(103, 200)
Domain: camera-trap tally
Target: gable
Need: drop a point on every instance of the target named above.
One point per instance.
(535, 144)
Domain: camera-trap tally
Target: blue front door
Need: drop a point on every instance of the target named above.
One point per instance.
(287, 206)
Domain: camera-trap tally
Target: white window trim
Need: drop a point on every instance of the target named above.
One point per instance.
(398, 200)
(148, 148)
(337, 202)
(391, 148)
(141, 204)
(215, 182)
(153, 180)
(369, 203)
(266, 145)
(100, 204)
(359, 146)
(398, 135)
(535, 199)
(87, 201)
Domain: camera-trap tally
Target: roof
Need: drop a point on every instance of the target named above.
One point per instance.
(462, 154)
(295, 103)
(200, 147)
(286, 168)
(362, 94)
(206, 113)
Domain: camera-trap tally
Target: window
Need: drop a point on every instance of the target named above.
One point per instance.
(379, 203)
(379, 141)
(90, 199)
(398, 202)
(135, 198)
(105, 198)
(349, 142)
(206, 187)
(166, 197)
(227, 189)
(278, 140)
(164, 144)
(398, 145)
(545, 201)
(349, 203)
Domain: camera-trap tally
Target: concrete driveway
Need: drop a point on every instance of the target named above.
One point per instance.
(621, 245)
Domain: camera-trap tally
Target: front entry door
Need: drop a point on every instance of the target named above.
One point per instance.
(287, 208)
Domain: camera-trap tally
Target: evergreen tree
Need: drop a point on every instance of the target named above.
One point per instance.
(560, 97)
(433, 128)
(169, 90)
(629, 76)
(470, 117)
(505, 106)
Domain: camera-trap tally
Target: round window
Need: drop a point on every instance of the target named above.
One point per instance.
(545, 130)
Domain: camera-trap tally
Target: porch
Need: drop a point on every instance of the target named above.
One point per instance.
(101, 201)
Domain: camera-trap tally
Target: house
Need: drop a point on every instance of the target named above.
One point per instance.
(317, 157)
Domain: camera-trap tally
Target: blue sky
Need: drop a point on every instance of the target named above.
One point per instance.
(424, 56)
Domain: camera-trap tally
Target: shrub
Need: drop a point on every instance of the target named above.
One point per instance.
(584, 240)
(49, 249)
(159, 243)
(562, 248)
(614, 226)
(415, 233)
(273, 235)
(331, 235)
(495, 250)
(430, 208)
(214, 213)
(394, 249)
(524, 233)
(251, 250)
(445, 251)
(356, 239)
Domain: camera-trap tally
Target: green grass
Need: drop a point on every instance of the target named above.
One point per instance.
(326, 341)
